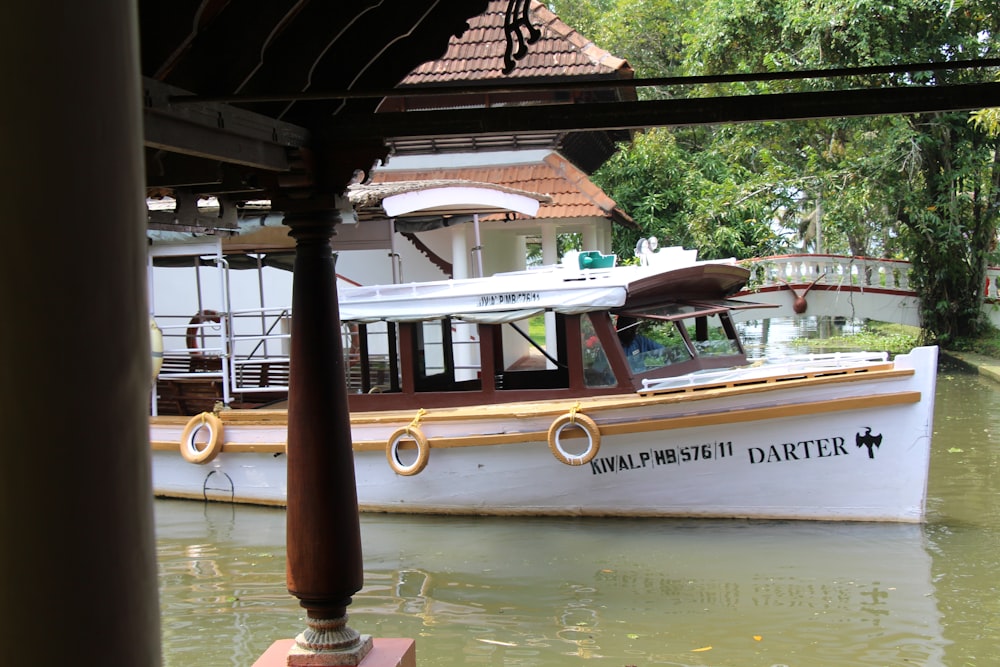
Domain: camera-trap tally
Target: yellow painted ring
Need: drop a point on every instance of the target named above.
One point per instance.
(392, 450)
(590, 429)
(190, 450)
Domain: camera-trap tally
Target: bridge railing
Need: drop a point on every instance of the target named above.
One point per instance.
(829, 270)
(840, 270)
(993, 282)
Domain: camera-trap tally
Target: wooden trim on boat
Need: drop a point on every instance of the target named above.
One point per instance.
(623, 427)
(619, 401)
(644, 425)
(882, 372)
(758, 414)
(227, 447)
(236, 499)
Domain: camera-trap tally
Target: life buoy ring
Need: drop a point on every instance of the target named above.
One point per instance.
(192, 451)
(587, 425)
(392, 450)
(155, 346)
(199, 318)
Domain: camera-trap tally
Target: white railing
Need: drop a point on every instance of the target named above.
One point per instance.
(992, 289)
(259, 345)
(844, 271)
(834, 270)
(246, 350)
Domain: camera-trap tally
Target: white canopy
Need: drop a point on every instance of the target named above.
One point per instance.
(493, 300)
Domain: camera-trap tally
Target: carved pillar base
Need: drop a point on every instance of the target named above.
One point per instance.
(329, 641)
(393, 652)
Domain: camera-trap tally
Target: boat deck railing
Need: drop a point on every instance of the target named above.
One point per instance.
(259, 345)
(216, 356)
(240, 360)
(797, 365)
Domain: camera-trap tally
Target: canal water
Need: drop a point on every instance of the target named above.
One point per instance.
(559, 592)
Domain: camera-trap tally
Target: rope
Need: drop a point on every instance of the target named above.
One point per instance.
(416, 420)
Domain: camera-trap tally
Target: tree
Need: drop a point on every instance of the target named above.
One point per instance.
(923, 186)
(691, 198)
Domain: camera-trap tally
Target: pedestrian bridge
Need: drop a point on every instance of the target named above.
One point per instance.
(839, 286)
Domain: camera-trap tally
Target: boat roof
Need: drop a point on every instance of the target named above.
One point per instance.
(508, 297)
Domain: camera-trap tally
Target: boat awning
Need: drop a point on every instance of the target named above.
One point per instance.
(565, 289)
(437, 203)
(468, 301)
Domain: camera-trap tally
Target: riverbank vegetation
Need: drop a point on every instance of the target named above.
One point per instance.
(923, 187)
(881, 336)
(987, 343)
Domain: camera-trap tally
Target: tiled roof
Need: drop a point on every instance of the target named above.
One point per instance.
(478, 54)
(572, 193)
(370, 195)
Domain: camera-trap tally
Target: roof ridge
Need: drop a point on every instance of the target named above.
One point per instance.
(581, 181)
(561, 52)
(553, 167)
(596, 54)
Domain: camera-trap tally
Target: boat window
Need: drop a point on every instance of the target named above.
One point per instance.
(447, 356)
(532, 354)
(651, 344)
(596, 369)
(371, 352)
(712, 338)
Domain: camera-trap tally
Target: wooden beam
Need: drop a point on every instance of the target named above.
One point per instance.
(218, 132)
(662, 113)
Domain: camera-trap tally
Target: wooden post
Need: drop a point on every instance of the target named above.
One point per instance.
(76, 504)
(324, 565)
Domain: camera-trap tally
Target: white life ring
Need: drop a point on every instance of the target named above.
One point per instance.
(191, 450)
(583, 422)
(156, 346)
(392, 450)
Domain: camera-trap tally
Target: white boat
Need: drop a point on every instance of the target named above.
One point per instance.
(636, 400)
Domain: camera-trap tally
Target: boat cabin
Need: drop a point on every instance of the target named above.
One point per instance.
(581, 328)
(472, 358)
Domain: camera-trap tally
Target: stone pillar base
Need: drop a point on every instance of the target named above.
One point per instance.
(302, 657)
(384, 653)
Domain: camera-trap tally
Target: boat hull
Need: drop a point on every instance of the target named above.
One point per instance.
(838, 447)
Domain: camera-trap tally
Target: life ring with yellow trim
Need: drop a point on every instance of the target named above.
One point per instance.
(199, 318)
(587, 425)
(155, 346)
(413, 433)
(194, 452)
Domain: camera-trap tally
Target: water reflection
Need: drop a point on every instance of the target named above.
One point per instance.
(221, 571)
(964, 523)
(773, 337)
(621, 592)
(549, 592)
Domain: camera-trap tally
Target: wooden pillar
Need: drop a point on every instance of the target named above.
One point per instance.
(590, 241)
(324, 565)
(76, 505)
(459, 252)
(550, 255)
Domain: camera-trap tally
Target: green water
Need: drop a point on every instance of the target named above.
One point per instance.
(539, 592)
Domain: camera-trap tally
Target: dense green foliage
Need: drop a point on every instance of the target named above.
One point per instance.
(921, 187)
